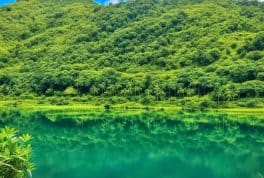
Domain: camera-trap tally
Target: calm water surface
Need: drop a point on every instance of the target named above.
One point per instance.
(133, 147)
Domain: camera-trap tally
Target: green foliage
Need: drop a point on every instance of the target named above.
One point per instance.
(255, 55)
(70, 91)
(257, 44)
(142, 51)
(58, 101)
(251, 103)
(14, 154)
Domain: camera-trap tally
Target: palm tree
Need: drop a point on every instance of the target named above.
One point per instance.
(159, 93)
(94, 90)
(190, 92)
(112, 90)
(230, 95)
(102, 87)
(220, 94)
(181, 92)
(137, 90)
(173, 87)
(148, 92)
(126, 92)
(196, 83)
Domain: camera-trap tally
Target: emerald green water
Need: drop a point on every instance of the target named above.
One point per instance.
(143, 145)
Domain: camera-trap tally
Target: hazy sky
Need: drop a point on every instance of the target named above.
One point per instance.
(3, 2)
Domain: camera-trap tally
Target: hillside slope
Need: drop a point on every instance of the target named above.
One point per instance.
(145, 50)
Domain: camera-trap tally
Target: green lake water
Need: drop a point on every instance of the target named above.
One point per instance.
(143, 145)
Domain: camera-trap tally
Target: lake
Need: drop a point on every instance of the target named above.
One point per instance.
(142, 144)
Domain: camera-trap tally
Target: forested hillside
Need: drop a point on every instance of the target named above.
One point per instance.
(206, 52)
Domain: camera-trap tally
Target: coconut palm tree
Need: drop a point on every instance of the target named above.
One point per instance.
(102, 87)
(112, 90)
(137, 90)
(230, 95)
(159, 93)
(220, 94)
(94, 90)
(181, 92)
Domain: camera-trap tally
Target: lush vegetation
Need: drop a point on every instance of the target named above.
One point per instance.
(14, 154)
(202, 53)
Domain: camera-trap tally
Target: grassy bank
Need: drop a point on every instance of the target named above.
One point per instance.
(49, 104)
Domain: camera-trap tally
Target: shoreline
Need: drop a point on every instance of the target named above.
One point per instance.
(31, 105)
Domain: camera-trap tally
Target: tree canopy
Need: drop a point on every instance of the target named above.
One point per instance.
(149, 48)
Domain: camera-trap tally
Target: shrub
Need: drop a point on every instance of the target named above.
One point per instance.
(206, 58)
(242, 73)
(257, 44)
(251, 103)
(147, 99)
(260, 76)
(255, 55)
(40, 102)
(58, 101)
(206, 103)
(116, 99)
(233, 45)
(70, 91)
(14, 154)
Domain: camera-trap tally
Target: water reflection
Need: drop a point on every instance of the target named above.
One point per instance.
(145, 145)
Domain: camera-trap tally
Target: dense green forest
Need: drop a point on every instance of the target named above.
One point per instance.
(206, 52)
